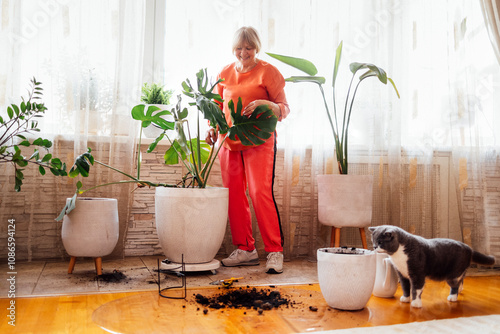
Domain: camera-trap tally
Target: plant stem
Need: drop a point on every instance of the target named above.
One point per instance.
(139, 156)
(196, 172)
(328, 111)
(9, 137)
(216, 154)
(178, 153)
(345, 110)
(145, 183)
(347, 124)
(117, 170)
(198, 137)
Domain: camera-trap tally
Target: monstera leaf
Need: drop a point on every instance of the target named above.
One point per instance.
(148, 116)
(252, 130)
(212, 113)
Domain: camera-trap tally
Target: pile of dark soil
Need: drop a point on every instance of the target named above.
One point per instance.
(114, 277)
(258, 299)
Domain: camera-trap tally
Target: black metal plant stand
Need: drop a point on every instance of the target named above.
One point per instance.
(180, 273)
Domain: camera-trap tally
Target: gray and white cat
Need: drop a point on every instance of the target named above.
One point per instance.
(416, 258)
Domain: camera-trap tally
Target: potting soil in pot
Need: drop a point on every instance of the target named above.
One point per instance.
(344, 250)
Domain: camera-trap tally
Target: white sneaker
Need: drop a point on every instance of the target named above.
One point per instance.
(274, 263)
(240, 257)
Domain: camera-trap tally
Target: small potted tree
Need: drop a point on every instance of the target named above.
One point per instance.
(191, 217)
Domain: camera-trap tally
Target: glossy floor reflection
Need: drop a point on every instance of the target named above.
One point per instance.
(48, 300)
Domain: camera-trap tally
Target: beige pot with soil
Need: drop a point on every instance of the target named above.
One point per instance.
(346, 276)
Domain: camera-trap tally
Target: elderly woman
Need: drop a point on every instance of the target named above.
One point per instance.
(257, 83)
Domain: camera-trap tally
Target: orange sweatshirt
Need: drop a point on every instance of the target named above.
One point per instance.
(263, 82)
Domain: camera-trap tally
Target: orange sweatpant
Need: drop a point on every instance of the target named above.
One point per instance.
(255, 167)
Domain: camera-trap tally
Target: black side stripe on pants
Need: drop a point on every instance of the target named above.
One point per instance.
(272, 190)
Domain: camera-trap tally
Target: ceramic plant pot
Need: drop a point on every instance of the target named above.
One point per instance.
(386, 278)
(346, 276)
(92, 228)
(152, 131)
(345, 200)
(191, 222)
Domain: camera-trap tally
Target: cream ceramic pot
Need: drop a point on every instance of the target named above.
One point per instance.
(386, 279)
(92, 228)
(345, 200)
(346, 276)
(191, 222)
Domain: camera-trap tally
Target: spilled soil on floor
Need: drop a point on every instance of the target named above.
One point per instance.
(249, 298)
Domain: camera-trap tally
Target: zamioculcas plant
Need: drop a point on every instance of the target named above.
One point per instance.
(340, 134)
(190, 150)
(16, 131)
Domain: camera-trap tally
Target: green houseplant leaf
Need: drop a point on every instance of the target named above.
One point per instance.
(252, 130)
(299, 63)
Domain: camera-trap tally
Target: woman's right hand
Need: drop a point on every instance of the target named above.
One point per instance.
(211, 137)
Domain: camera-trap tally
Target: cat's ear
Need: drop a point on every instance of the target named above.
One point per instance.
(371, 228)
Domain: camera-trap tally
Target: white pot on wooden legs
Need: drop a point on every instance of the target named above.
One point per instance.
(345, 201)
(91, 230)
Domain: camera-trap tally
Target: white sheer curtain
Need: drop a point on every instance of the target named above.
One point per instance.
(88, 55)
(437, 53)
(491, 12)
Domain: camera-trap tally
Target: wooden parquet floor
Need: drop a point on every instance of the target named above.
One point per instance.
(147, 312)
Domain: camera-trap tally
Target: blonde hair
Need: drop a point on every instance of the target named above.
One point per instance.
(248, 35)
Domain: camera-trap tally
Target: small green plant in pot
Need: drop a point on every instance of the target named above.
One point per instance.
(186, 148)
(17, 130)
(155, 94)
(340, 134)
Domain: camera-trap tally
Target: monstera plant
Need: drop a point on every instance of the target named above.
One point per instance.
(340, 134)
(189, 149)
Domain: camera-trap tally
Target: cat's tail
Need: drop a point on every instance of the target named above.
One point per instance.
(479, 258)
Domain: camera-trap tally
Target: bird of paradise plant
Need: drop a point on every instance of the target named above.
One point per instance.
(340, 134)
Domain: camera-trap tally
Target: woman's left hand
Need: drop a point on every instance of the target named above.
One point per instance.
(250, 108)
